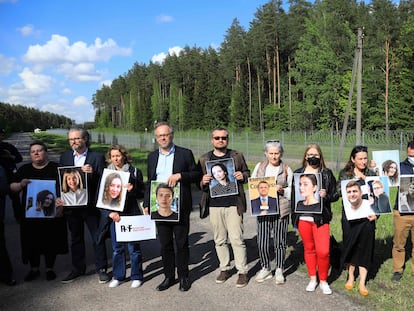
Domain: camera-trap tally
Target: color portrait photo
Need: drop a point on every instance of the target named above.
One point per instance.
(164, 201)
(355, 198)
(263, 196)
(379, 194)
(112, 190)
(41, 199)
(73, 186)
(307, 199)
(386, 163)
(223, 182)
(406, 194)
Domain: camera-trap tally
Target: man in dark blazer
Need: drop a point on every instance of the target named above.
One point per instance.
(264, 204)
(173, 164)
(93, 164)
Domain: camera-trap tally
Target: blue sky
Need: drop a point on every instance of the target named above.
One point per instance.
(54, 55)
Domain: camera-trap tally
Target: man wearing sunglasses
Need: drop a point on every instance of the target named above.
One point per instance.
(226, 212)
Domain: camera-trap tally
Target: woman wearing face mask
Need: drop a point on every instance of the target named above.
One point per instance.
(314, 229)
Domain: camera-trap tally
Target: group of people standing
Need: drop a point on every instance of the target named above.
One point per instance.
(172, 164)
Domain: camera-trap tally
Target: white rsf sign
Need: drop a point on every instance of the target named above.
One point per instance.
(135, 228)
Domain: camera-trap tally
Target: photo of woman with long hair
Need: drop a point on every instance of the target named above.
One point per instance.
(221, 184)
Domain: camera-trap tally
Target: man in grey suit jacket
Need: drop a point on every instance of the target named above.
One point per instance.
(172, 164)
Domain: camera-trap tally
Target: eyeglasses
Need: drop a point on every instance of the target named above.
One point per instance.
(220, 137)
(75, 139)
(272, 141)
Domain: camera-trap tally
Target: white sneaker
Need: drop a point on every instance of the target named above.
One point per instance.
(279, 278)
(325, 288)
(263, 275)
(114, 283)
(136, 283)
(311, 286)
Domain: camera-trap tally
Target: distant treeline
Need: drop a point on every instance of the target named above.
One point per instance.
(17, 118)
(291, 70)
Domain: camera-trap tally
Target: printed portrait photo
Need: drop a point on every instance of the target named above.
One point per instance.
(223, 182)
(41, 199)
(356, 202)
(112, 190)
(164, 202)
(263, 196)
(307, 199)
(386, 163)
(73, 186)
(406, 194)
(379, 194)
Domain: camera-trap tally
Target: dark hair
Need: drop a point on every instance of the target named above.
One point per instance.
(311, 177)
(353, 183)
(410, 144)
(40, 143)
(263, 182)
(164, 186)
(349, 166)
(386, 166)
(224, 168)
(219, 128)
(41, 198)
(122, 150)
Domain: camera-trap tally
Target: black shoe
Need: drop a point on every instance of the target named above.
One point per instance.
(72, 276)
(167, 283)
(184, 284)
(50, 275)
(103, 276)
(396, 277)
(32, 275)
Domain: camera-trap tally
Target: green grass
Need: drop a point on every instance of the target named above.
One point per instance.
(383, 293)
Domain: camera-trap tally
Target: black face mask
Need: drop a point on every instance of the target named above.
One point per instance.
(314, 161)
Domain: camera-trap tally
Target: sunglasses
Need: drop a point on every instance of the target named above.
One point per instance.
(272, 141)
(220, 137)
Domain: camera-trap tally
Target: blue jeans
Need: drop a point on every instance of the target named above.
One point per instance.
(119, 258)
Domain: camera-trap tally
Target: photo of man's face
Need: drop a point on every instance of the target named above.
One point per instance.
(353, 194)
(263, 189)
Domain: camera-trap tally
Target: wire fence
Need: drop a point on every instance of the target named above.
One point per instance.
(251, 143)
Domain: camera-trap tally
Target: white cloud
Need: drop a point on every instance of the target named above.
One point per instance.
(161, 19)
(66, 91)
(159, 58)
(80, 72)
(6, 65)
(81, 101)
(35, 83)
(59, 50)
(26, 30)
